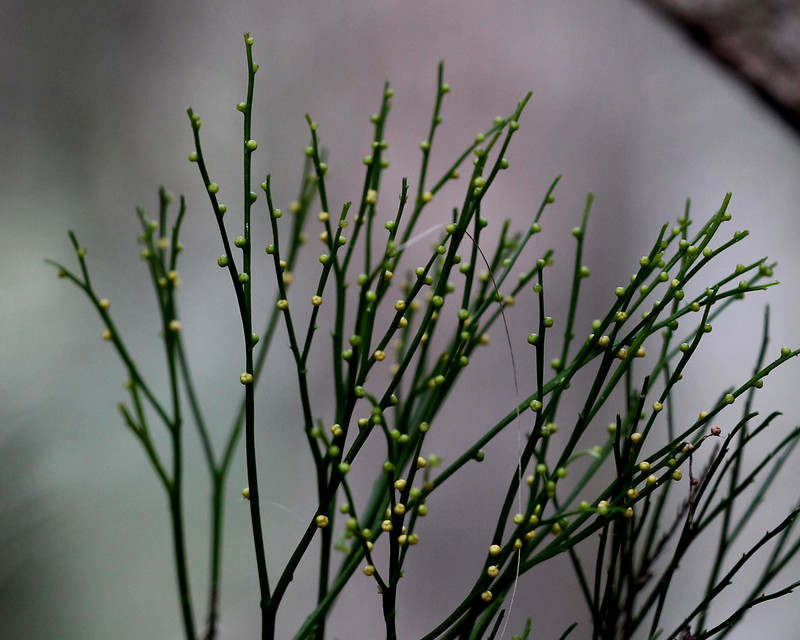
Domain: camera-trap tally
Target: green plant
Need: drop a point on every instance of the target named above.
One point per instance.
(563, 488)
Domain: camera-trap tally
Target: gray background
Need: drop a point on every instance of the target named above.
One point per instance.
(92, 105)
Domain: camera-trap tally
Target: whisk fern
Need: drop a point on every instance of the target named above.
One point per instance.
(400, 336)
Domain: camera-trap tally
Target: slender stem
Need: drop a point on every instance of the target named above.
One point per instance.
(215, 579)
(181, 567)
(245, 277)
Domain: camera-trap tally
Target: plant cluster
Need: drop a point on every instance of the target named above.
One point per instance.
(401, 335)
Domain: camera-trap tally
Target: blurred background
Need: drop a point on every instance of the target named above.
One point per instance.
(92, 104)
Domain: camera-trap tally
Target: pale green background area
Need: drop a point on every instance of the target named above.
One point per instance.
(92, 106)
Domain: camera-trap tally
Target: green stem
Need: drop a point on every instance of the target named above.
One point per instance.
(176, 513)
(268, 623)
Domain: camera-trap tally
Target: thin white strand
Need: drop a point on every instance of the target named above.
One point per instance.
(418, 237)
(519, 433)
